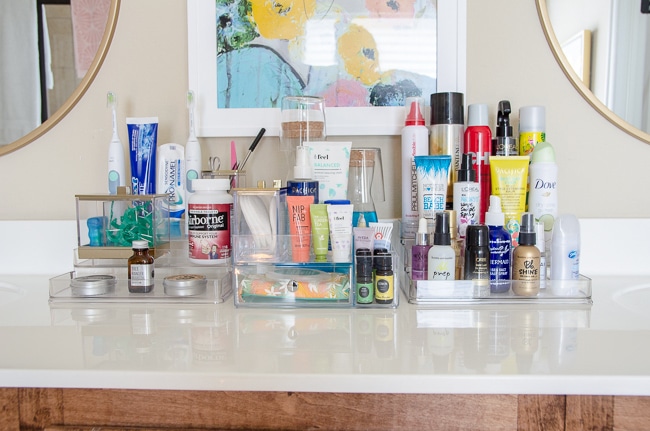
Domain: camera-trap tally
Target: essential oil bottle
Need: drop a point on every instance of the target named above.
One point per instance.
(526, 259)
(141, 269)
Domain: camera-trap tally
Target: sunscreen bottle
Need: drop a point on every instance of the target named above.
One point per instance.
(415, 142)
(532, 128)
(478, 143)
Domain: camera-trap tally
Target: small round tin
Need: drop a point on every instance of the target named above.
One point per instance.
(185, 284)
(92, 285)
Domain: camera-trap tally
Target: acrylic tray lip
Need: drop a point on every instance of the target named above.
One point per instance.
(583, 295)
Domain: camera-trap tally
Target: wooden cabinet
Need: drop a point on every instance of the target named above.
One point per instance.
(81, 409)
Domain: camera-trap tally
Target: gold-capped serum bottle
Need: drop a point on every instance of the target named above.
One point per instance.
(526, 259)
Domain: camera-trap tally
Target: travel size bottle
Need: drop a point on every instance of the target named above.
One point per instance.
(543, 188)
(384, 278)
(500, 247)
(477, 253)
(141, 268)
(532, 128)
(365, 286)
(420, 252)
(456, 243)
(478, 143)
(466, 196)
(526, 259)
(442, 258)
(504, 144)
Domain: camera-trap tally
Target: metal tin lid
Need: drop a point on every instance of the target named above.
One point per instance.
(185, 284)
(90, 285)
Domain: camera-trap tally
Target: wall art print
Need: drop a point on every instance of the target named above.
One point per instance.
(354, 53)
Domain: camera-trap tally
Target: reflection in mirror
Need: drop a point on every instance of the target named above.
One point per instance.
(603, 48)
(50, 52)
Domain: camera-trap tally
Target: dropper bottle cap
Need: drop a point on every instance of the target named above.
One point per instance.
(302, 169)
(494, 215)
(441, 235)
(466, 172)
(414, 116)
(422, 235)
(527, 229)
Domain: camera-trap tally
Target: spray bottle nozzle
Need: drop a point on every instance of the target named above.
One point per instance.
(503, 119)
(414, 117)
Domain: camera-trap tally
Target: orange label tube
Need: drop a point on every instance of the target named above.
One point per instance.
(300, 226)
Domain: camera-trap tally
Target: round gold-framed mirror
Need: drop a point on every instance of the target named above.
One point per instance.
(79, 91)
(577, 82)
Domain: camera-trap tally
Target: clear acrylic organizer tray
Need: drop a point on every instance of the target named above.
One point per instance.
(478, 292)
(110, 285)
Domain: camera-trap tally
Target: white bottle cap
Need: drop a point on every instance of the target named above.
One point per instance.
(477, 114)
(532, 119)
(302, 169)
(494, 215)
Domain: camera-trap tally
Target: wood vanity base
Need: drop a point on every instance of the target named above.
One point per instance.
(82, 409)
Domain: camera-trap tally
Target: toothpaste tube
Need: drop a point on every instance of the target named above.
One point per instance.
(143, 135)
(171, 177)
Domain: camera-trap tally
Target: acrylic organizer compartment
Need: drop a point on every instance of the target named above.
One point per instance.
(478, 291)
(290, 285)
(173, 284)
(107, 224)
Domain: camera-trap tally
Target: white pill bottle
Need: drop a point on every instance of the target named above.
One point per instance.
(209, 216)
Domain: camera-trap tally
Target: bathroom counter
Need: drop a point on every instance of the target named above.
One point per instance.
(599, 349)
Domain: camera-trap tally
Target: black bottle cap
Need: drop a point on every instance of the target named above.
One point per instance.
(447, 108)
(383, 260)
(364, 265)
(442, 235)
(477, 235)
(503, 119)
(527, 234)
(466, 171)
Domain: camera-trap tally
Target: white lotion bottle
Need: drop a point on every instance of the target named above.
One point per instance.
(565, 248)
(415, 142)
(542, 196)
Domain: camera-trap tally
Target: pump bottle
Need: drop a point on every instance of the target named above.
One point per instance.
(504, 144)
(478, 143)
(526, 260)
(500, 247)
(466, 196)
(420, 252)
(415, 142)
(442, 258)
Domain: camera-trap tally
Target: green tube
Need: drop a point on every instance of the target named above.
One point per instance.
(319, 230)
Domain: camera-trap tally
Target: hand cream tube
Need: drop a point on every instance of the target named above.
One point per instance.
(143, 136)
(340, 220)
(432, 173)
(509, 175)
(330, 165)
(383, 234)
(300, 226)
(320, 230)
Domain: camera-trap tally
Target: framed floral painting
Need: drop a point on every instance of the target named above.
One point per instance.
(364, 57)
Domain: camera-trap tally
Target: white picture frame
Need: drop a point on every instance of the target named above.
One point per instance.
(341, 121)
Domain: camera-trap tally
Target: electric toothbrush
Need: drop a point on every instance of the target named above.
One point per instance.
(192, 150)
(116, 170)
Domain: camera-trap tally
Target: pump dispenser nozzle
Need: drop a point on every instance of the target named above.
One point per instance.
(503, 119)
(504, 144)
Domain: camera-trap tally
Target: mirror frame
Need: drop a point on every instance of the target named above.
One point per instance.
(587, 94)
(81, 89)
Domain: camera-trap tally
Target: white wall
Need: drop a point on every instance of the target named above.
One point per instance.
(508, 58)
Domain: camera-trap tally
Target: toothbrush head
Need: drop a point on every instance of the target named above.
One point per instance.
(111, 100)
(190, 99)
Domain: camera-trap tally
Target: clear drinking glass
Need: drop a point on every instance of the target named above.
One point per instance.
(302, 120)
(365, 170)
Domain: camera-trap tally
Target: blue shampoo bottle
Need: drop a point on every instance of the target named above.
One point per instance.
(500, 247)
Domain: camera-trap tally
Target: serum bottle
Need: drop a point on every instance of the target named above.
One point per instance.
(420, 252)
(442, 258)
(526, 259)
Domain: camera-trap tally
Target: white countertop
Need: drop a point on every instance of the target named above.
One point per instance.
(602, 348)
